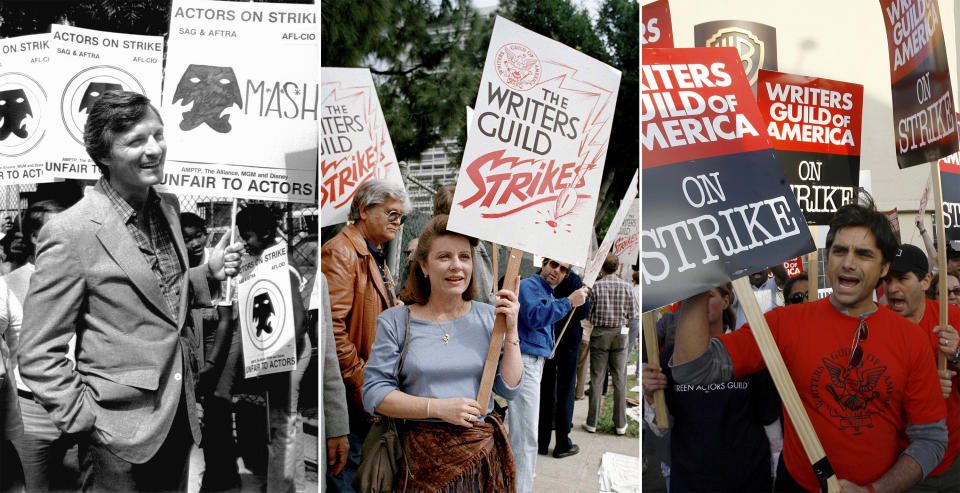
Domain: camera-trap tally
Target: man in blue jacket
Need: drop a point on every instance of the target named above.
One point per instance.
(539, 310)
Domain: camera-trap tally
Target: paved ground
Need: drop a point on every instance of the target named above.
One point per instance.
(578, 474)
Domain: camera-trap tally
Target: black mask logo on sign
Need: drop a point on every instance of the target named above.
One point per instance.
(14, 107)
(262, 310)
(212, 90)
(94, 91)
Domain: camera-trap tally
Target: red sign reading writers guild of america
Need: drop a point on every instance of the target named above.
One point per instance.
(716, 204)
(656, 30)
(536, 146)
(923, 122)
(815, 127)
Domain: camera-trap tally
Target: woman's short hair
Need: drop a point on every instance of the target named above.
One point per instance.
(729, 316)
(443, 199)
(375, 192)
(112, 113)
(417, 288)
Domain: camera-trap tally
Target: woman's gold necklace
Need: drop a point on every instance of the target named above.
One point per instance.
(446, 331)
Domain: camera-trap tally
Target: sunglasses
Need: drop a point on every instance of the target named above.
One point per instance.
(856, 352)
(954, 291)
(394, 216)
(797, 298)
(563, 269)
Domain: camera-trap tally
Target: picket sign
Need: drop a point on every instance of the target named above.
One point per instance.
(653, 356)
(813, 270)
(941, 252)
(786, 388)
(499, 330)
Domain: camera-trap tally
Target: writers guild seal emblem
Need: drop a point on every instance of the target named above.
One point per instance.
(518, 66)
(751, 48)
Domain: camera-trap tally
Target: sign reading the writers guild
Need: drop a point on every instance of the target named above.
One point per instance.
(756, 43)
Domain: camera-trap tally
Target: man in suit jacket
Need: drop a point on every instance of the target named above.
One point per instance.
(113, 271)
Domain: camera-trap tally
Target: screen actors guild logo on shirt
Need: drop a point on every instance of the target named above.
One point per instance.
(518, 66)
(212, 90)
(848, 392)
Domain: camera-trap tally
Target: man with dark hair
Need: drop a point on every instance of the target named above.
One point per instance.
(539, 310)
(112, 271)
(862, 396)
(613, 305)
(905, 287)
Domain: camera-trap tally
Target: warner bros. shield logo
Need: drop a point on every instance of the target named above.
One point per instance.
(265, 311)
(756, 43)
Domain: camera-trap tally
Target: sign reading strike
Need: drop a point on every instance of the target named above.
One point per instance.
(24, 112)
(241, 99)
(86, 64)
(613, 233)
(266, 313)
(534, 157)
(923, 110)
(950, 184)
(716, 203)
(626, 246)
(814, 124)
(656, 30)
(355, 145)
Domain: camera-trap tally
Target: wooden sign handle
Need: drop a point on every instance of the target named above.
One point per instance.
(786, 388)
(499, 330)
(653, 356)
(496, 266)
(813, 270)
(941, 252)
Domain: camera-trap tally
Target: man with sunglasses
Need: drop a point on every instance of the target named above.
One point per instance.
(360, 288)
(539, 310)
(905, 287)
(864, 374)
(795, 290)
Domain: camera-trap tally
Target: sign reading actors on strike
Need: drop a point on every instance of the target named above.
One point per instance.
(241, 100)
(355, 145)
(24, 114)
(923, 110)
(815, 127)
(85, 64)
(266, 313)
(716, 205)
(534, 157)
(950, 184)
(656, 30)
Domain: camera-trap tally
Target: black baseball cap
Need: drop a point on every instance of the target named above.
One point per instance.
(910, 258)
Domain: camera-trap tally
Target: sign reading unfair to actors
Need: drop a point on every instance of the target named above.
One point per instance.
(923, 110)
(85, 64)
(815, 127)
(716, 205)
(266, 313)
(950, 183)
(241, 100)
(534, 157)
(24, 114)
(355, 145)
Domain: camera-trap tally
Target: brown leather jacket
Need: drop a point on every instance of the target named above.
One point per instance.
(357, 296)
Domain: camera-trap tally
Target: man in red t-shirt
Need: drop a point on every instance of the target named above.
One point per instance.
(864, 374)
(906, 285)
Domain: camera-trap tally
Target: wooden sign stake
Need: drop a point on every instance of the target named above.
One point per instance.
(781, 378)
(499, 330)
(496, 266)
(813, 270)
(941, 251)
(653, 356)
(562, 331)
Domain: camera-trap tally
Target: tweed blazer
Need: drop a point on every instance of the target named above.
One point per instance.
(135, 360)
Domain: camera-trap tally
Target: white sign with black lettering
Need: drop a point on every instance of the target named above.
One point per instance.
(266, 313)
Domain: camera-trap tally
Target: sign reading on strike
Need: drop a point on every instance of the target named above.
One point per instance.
(814, 124)
(923, 109)
(25, 115)
(656, 30)
(85, 64)
(535, 152)
(266, 313)
(241, 100)
(355, 145)
(950, 184)
(716, 203)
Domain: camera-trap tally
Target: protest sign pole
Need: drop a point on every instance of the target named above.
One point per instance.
(941, 252)
(496, 266)
(499, 330)
(233, 228)
(653, 356)
(786, 388)
(813, 269)
(562, 331)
